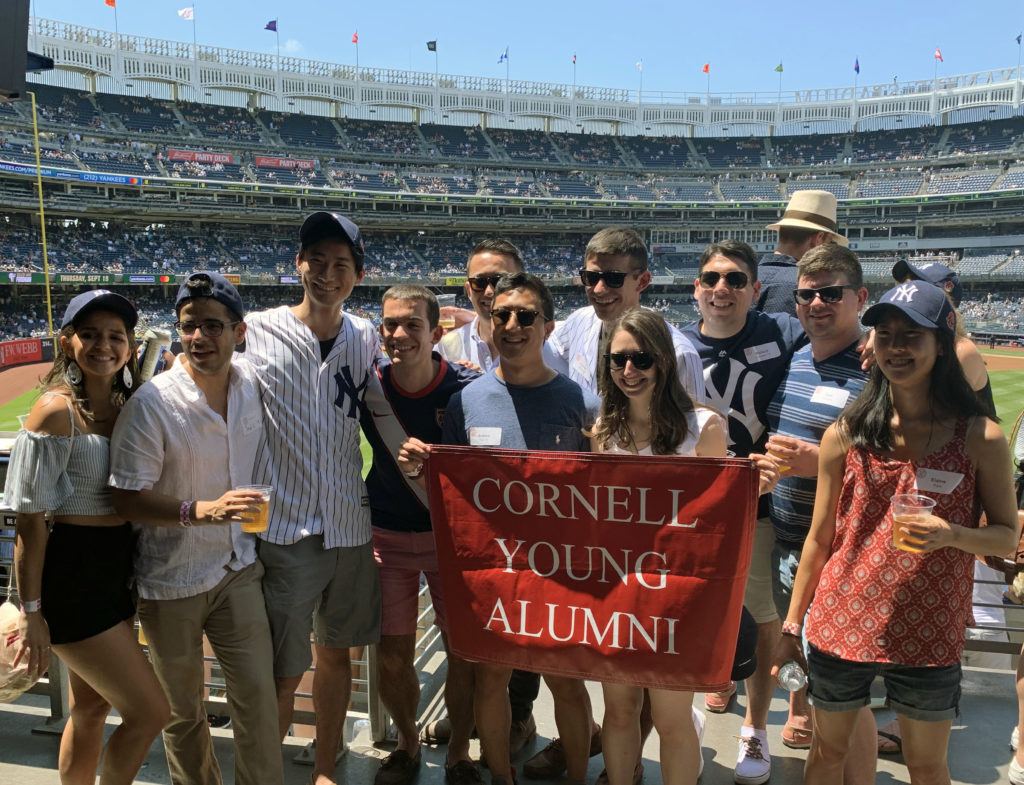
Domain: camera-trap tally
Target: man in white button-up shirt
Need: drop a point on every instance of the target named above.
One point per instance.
(183, 442)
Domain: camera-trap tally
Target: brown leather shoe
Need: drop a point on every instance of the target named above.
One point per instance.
(462, 772)
(550, 762)
(398, 768)
(520, 734)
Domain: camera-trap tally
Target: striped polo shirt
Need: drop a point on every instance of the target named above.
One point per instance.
(311, 453)
(810, 399)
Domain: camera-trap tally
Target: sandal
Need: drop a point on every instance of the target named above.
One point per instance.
(889, 741)
(797, 738)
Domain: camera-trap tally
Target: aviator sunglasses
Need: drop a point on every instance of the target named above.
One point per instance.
(828, 294)
(524, 316)
(641, 360)
(734, 280)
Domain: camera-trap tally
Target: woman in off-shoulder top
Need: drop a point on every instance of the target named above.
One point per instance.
(74, 580)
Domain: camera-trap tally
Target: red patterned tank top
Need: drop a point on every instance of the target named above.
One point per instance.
(875, 603)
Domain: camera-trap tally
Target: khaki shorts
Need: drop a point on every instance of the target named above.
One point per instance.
(334, 593)
(758, 597)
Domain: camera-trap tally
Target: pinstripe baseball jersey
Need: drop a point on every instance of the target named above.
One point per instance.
(311, 454)
(576, 341)
(465, 345)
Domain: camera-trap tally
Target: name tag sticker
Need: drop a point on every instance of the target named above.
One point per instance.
(830, 396)
(937, 481)
(762, 352)
(484, 437)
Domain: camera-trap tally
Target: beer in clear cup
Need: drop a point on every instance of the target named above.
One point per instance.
(909, 508)
(257, 522)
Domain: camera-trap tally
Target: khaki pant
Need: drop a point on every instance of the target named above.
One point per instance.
(233, 616)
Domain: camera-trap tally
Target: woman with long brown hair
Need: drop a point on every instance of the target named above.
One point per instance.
(74, 580)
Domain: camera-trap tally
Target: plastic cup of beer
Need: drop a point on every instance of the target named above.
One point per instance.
(447, 304)
(256, 523)
(909, 508)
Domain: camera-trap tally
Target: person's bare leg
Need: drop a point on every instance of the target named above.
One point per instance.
(574, 722)
(761, 685)
(829, 746)
(459, 687)
(620, 731)
(112, 663)
(862, 756)
(332, 688)
(926, 750)
(399, 687)
(493, 716)
(286, 688)
(82, 740)
(680, 747)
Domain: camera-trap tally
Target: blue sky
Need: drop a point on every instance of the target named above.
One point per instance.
(742, 40)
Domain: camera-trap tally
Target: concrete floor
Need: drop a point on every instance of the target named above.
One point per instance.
(979, 751)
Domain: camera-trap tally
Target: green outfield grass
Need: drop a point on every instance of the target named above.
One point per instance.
(10, 412)
(1008, 391)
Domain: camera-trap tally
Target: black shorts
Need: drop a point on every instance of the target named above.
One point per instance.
(745, 660)
(87, 576)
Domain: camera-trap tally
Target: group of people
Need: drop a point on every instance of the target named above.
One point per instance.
(778, 369)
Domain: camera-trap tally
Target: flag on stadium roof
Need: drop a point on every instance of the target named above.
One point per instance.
(574, 58)
(110, 3)
(640, 65)
(1019, 36)
(706, 69)
(778, 68)
(938, 55)
(271, 26)
(431, 46)
(355, 37)
(856, 65)
(188, 14)
(504, 56)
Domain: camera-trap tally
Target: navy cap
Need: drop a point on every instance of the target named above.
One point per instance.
(944, 277)
(921, 302)
(100, 300)
(212, 285)
(323, 225)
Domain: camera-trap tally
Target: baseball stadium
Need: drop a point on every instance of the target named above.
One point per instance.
(129, 162)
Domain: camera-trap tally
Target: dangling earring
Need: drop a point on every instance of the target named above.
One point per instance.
(126, 377)
(73, 374)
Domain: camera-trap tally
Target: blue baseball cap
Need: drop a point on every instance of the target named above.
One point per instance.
(323, 225)
(922, 302)
(212, 285)
(946, 278)
(100, 300)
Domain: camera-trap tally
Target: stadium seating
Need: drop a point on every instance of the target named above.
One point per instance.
(524, 145)
(139, 115)
(400, 139)
(453, 141)
(302, 130)
(222, 121)
(838, 187)
(761, 190)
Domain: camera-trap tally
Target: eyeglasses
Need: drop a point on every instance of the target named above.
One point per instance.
(524, 316)
(734, 279)
(641, 360)
(613, 279)
(828, 294)
(212, 328)
(479, 283)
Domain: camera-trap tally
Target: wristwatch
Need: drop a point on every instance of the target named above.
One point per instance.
(31, 606)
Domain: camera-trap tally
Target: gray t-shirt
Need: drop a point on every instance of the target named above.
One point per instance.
(488, 412)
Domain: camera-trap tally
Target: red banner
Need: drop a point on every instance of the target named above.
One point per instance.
(614, 568)
(24, 350)
(269, 162)
(199, 157)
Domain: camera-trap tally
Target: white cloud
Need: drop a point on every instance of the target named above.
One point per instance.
(291, 46)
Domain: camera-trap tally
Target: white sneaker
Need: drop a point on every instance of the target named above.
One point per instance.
(698, 723)
(1015, 739)
(753, 764)
(1016, 772)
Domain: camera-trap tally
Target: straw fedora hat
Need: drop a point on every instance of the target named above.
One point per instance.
(814, 210)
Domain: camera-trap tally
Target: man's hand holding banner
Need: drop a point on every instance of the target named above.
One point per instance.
(614, 568)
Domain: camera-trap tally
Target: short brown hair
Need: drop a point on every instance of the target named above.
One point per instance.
(832, 258)
(530, 283)
(497, 245)
(736, 250)
(412, 292)
(797, 235)
(618, 242)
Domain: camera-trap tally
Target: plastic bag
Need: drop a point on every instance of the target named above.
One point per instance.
(14, 679)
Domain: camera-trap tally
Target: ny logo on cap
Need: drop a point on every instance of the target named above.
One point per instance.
(904, 293)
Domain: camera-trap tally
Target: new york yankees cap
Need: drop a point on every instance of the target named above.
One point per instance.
(212, 285)
(100, 300)
(922, 302)
(944, 277)
(323, 225)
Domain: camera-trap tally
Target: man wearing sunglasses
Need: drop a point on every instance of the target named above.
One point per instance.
(809, 221)
(614, 275)
(180, 446)
(520, 404)
(823, 378)
(745, 354)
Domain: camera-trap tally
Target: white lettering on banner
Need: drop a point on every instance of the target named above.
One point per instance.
(508, 554)
(723, 401)
(620, 630)
(606, 503)
(547, 563)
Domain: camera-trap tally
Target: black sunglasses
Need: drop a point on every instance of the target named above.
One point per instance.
(613, 279)
(734, 279)
(828, 294)
(479, 283)
(524, 316)
(641, 360)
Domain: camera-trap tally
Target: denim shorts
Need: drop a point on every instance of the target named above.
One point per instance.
(931, 694)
